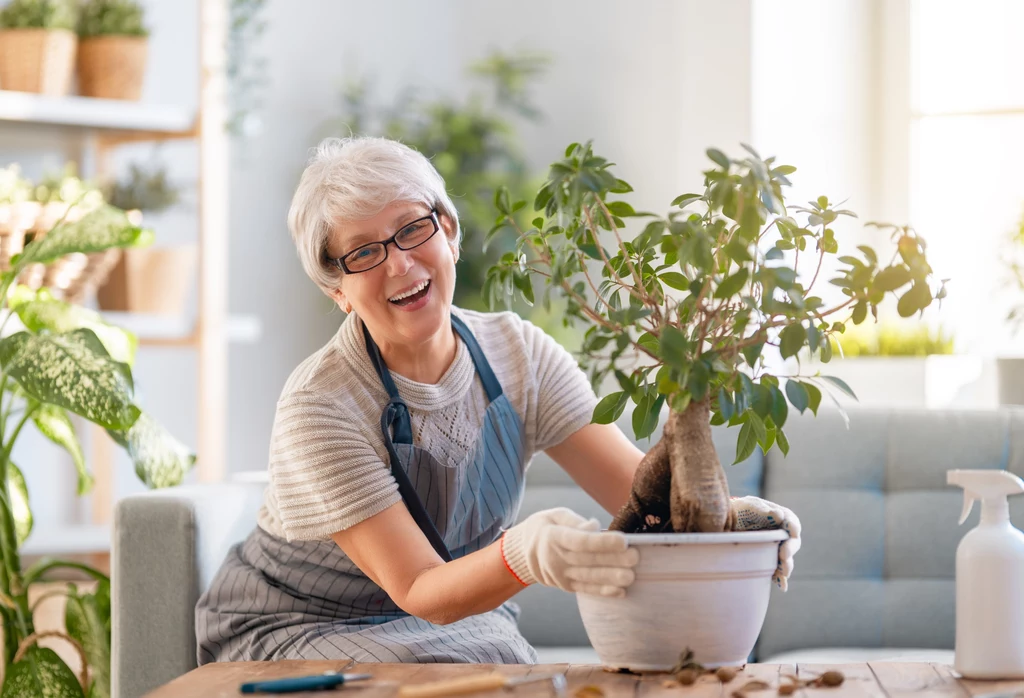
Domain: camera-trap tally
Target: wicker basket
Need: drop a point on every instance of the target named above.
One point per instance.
(112, 67)
(37, 60)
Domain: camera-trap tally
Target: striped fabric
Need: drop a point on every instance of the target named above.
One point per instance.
(304, 599)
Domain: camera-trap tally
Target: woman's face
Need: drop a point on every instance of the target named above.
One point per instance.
(373, 294)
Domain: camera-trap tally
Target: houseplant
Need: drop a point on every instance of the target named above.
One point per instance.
(37, 46)
(681, 314)
(66, 360)
(112, 50)
(148, 279)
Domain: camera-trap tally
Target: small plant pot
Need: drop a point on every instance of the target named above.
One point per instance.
(704, 591)
(150, 280)
(112, 67)
(37, 60)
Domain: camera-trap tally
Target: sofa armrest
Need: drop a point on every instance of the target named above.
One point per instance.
(167, 546)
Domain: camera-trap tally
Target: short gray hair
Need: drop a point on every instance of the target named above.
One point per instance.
(354, 178)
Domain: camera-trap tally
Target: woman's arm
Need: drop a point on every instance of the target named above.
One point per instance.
(601, 460)
(391, 550)
(555, 547)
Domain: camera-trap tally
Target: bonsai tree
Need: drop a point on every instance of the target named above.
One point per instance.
(66, 360)
(681, 312)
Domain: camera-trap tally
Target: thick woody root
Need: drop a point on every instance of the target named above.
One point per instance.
(680, 485)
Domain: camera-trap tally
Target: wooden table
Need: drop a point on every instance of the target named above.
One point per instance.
(874, 680)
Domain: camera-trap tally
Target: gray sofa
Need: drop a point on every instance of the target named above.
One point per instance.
(874, 579)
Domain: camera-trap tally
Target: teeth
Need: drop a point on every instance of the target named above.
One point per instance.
(419, 287)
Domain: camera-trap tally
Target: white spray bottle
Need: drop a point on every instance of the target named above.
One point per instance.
(989, 580)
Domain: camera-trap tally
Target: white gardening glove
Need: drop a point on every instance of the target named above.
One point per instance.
(754, 513)
(559, 548)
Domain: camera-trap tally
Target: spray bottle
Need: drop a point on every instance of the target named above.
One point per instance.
(989, 580)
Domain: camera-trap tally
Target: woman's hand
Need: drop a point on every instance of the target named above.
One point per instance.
(559, 548)
(754, 513)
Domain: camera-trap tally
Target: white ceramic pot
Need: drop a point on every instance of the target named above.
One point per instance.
(703, 591)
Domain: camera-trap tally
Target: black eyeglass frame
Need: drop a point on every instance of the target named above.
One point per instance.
(339, 262)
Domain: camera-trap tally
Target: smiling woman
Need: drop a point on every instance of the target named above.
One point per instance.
(399, 449)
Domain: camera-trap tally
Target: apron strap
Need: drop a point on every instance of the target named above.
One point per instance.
(396, 417)
(483, 369)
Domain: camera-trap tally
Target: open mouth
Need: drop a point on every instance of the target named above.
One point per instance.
(413, 296)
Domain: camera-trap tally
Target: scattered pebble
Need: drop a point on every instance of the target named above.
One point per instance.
(687, 677)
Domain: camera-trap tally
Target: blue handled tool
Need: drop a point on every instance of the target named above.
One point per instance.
(328, 679)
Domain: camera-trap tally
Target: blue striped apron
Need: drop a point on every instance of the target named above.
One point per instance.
(273, 599)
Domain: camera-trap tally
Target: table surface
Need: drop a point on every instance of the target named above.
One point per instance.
(870, 680)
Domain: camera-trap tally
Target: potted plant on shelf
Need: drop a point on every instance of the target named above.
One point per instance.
(900, 365)
(148, 279)
(681, 314)
(112, 49)
(66, 360)
(37, 46)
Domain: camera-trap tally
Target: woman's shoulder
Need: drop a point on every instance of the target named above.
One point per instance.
(330, 376)
(506, 334)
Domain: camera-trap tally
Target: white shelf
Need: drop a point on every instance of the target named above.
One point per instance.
(243, 329)
(88, 112)
(72, 539)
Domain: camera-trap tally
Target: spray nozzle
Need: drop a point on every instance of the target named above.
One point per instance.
(992, 487)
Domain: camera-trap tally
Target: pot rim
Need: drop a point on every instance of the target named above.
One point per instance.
(763, 536)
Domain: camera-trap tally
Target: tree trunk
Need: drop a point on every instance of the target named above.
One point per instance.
(680, 485)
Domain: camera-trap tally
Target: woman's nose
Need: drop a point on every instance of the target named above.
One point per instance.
(398, 261)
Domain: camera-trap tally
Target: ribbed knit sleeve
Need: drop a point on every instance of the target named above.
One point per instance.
(324, 474)
(565, 401)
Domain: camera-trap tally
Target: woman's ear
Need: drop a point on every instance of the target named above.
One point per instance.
(448, 226)
(339, 297)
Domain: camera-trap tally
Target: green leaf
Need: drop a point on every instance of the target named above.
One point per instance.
(737, 252)
(58, 317)
(646, 414)
(684, 199)
(610, 408)
(19, 502)
(917, 298)
(757, 424)
(40, 674)
(762, 404)
(73, 371)
(55, 424)
(649, 342)
(813, 397)
(797, 395)
(732, 285)
(791, 339)
(621, 209)
(100, 230)
(750, 353)
(719, 158)
(841, 384)
(674, 347)
(675, 280)
(525, 285)
(780, 409)
(745, 443)
(725, 405)
(700, 374)
(782, 441)
(160, 459)
(891, 278)
(860, 312)
(87, 619)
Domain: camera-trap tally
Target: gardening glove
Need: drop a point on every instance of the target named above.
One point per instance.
(559, 548)
(754, 513)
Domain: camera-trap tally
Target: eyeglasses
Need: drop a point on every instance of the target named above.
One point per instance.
(366, 257)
